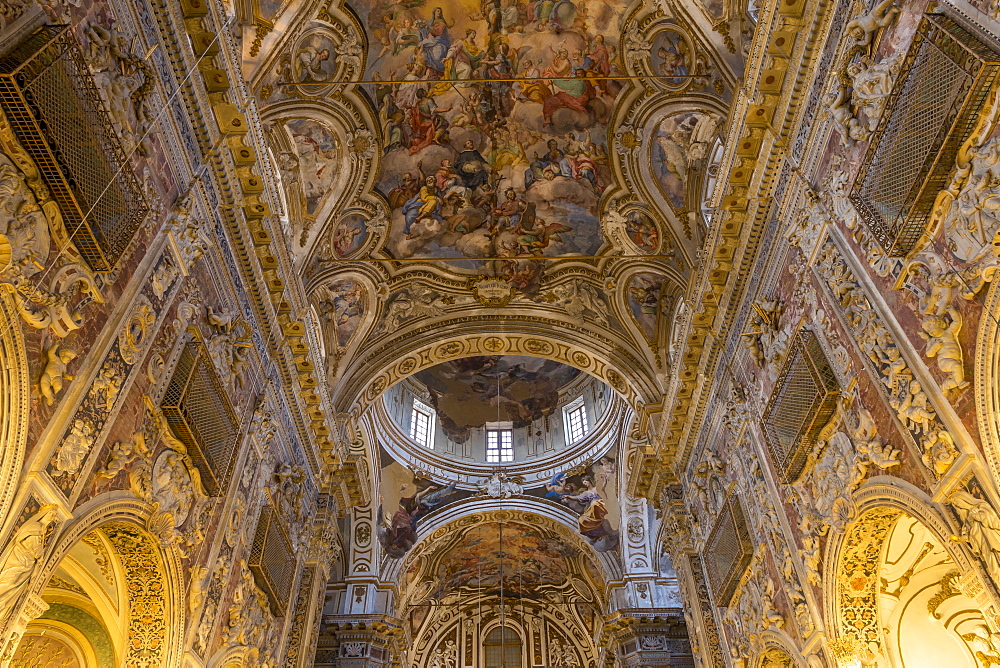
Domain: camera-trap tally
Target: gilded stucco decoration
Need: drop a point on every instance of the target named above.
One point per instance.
(149, 617)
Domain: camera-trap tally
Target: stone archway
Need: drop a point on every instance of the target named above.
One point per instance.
(987, 379)
(452, 606)
(425, 347)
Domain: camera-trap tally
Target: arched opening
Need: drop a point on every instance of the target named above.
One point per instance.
(775, 657)
(901, 599)
(502, 648)
(86, 619)
(106, 598)
(502, 588)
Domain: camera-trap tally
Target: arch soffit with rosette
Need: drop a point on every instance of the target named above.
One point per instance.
(128, 515)
(987, 380)
(15, 395)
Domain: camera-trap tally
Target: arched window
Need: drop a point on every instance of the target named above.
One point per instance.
(503, 648)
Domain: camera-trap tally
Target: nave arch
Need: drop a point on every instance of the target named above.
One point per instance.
(425, 347)
(15, 394)
(987, 380)
(778, 651)
(449, 605)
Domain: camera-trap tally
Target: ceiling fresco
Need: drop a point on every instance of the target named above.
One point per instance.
(529, 560)
(681, 145)
(470, 391)
(649, 296)
(316, 159)
(408, 497)
(343, 303)
(479, 167)
(506, 154)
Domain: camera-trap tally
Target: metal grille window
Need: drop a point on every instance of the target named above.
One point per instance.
(421, 429)
(575, 417)
(272, 562)
(802, 402)
(56, 114)
(503, 648)
(933, 109)
(499, 446)
(728, 551)
(198, 411)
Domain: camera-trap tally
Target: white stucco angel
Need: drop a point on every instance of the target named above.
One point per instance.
(980, 527)
(22, 556)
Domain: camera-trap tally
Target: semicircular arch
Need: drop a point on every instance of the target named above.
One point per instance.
(558, 519)
(987, 379)
(153, 575)
(414, 350)
(853, 557)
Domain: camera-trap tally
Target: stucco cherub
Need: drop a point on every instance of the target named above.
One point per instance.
(864, 28)
(941, 334)
(54, 373)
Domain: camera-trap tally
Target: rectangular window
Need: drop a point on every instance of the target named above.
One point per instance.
(421, 429)
(575, 415)
(499, 446)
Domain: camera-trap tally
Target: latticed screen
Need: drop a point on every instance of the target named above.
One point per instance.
(728, 551)
(57, 115)
(932, 111)
(272, 561)
(199, 413)
(503, 648)
(803, 401)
